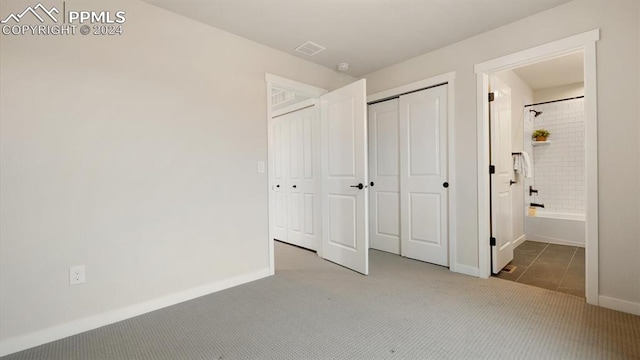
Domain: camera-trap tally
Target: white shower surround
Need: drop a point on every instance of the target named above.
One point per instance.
(559, 165)
(558, 174)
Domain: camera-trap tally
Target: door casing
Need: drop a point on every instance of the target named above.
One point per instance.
(449, 79)
(300, 88)
(585, 43)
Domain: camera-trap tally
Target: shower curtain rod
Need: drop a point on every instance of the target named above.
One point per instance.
(552, 101)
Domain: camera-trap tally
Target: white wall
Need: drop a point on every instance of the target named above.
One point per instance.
(618, 115)
(521, 94)
(558, 92)
(135, 156)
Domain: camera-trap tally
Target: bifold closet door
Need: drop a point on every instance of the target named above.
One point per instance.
(423, 175)
(296, 181)
(279, 181)
(384, 176)
(303, 179)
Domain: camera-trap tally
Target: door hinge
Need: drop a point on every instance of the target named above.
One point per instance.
(492, 241)
(492, 169)
(492, 97)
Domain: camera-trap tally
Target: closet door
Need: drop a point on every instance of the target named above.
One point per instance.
(423, 175)
(384, 177)
(303, 179)
(279, 182)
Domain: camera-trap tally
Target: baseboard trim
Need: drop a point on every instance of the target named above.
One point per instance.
(619, 305)
(467, 270)
(36, 338)
(550, 240)
(519, 240)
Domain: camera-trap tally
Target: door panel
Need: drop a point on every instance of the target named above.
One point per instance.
(304, 212)
(423, 145)
(384, 162)
(344, 165)
(280, 184)
(501, 215)
(425, 218)
(423, 164)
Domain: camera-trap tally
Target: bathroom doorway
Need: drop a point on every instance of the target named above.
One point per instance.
(540, 110)
(495, 237)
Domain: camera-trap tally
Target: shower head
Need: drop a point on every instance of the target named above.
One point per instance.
(535, 113)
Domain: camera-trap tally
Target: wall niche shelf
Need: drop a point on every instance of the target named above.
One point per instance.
(538, 143)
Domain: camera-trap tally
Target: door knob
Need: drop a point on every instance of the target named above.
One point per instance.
(445, 184)
(371, 183)
(278, 185)
(295, 186)
(359, 186)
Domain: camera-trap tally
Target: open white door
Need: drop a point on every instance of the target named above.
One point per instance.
(384, 177)
(501, 159)
(345, 238)
(424, 176)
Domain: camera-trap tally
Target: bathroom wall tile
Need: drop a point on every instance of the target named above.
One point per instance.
(559, 166)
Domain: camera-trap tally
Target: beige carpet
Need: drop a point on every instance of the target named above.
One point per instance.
(405, 309)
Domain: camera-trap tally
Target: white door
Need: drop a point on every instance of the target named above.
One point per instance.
(501, 159)
(279, 184)
(423, 176)
(384, 177)
(345, 239)
(303, 179)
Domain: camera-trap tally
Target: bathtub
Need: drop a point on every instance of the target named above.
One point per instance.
(555, 228)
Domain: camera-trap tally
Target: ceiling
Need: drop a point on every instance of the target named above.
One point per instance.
(367, 34)
(560, 71)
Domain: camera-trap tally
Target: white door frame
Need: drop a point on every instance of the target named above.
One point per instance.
(448, 78)
(300, 88)
(586, 43)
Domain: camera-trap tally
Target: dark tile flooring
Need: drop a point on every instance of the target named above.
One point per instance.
(554, 267)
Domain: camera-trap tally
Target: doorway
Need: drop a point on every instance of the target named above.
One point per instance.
(585, 45)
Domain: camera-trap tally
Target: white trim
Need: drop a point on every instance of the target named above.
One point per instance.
(26, 341)
(619, 305)
(467, 270)
(270, 199)
(300, 88)
(453, 184)
(584, 42)
(295, 86)
(433, 81)
(484, 251)
(536, 54)
(449, 79)
(591, 174)
(294, 107)
(519, 240)
(550, 240)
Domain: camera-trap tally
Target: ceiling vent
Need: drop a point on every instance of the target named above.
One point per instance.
(310, 48)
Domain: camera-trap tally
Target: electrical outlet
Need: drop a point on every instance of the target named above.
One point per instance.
(76, 275)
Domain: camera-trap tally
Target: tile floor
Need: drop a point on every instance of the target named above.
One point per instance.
(554, 267)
